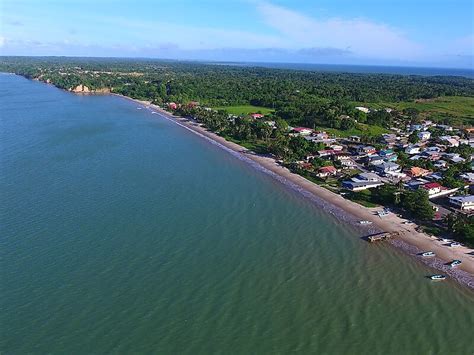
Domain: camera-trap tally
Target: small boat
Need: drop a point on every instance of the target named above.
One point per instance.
(428, 253)
(455, 244)
(437, 277)
(455, 263)
(365, 222)
(382, 213)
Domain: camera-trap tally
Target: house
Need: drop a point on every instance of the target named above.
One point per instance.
(303, 131)
(365, 149)
(387, 167)
(336, 147)
(342, 156)
(431, 155)
(257, 115)
(435, 177)
(416, 127)
(424, 135)
(374, 160)
(464, 203)
(441, 164)
(386, 152)
(450, 141)
(362, 109)
(388, 155)
(355, 139)
(348, 163)
(172, 105)
(455, 158)
(326, 171)
(415, 172)
(415, 184)
(445, 127)
(362, 181)
(359, 186)
(469, 131)
(468, 177)
(368, 177)
(326, 152)
(432, 188)
(412, 149)
(389, 138)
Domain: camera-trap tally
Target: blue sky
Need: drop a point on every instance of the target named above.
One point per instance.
(386, 32)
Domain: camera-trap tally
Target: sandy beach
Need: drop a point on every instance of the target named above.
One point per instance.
(410, 240)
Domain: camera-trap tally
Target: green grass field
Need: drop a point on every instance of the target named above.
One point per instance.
(244, 109)
(454, 106)
(362, 130)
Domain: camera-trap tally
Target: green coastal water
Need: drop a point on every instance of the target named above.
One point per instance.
(122, 232)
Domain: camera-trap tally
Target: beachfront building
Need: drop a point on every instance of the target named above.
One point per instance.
(464, 203)
(326, 171)
(172, 105)
(362, 181)
(360, 185)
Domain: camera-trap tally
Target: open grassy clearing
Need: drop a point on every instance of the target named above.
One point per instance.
(244, 109)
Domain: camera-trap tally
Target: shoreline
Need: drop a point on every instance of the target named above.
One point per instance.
(409, 240)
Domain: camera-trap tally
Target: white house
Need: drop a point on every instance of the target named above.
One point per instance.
(412, 149)
(465, 203)
(303, 131)
(424, 135)
(387, 167)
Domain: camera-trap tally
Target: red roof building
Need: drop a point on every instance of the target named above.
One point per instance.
(257, 115)
(326, 171)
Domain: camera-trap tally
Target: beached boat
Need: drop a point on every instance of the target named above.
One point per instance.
(455, 244)
(437, 277)
(428, 253)
(382, 213)
(365, 222)
(455, 263)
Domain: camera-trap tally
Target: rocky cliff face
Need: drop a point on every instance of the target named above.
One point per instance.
(82, 89)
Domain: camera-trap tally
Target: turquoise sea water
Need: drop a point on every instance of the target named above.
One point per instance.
(122, 232)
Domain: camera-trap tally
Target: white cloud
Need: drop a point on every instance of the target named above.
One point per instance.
(362, 37)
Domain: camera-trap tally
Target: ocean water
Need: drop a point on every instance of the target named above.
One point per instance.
(122, 232)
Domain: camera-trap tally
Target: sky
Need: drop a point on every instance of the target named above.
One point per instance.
(435, 33)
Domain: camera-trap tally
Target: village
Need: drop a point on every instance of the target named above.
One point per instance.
(425, 156)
